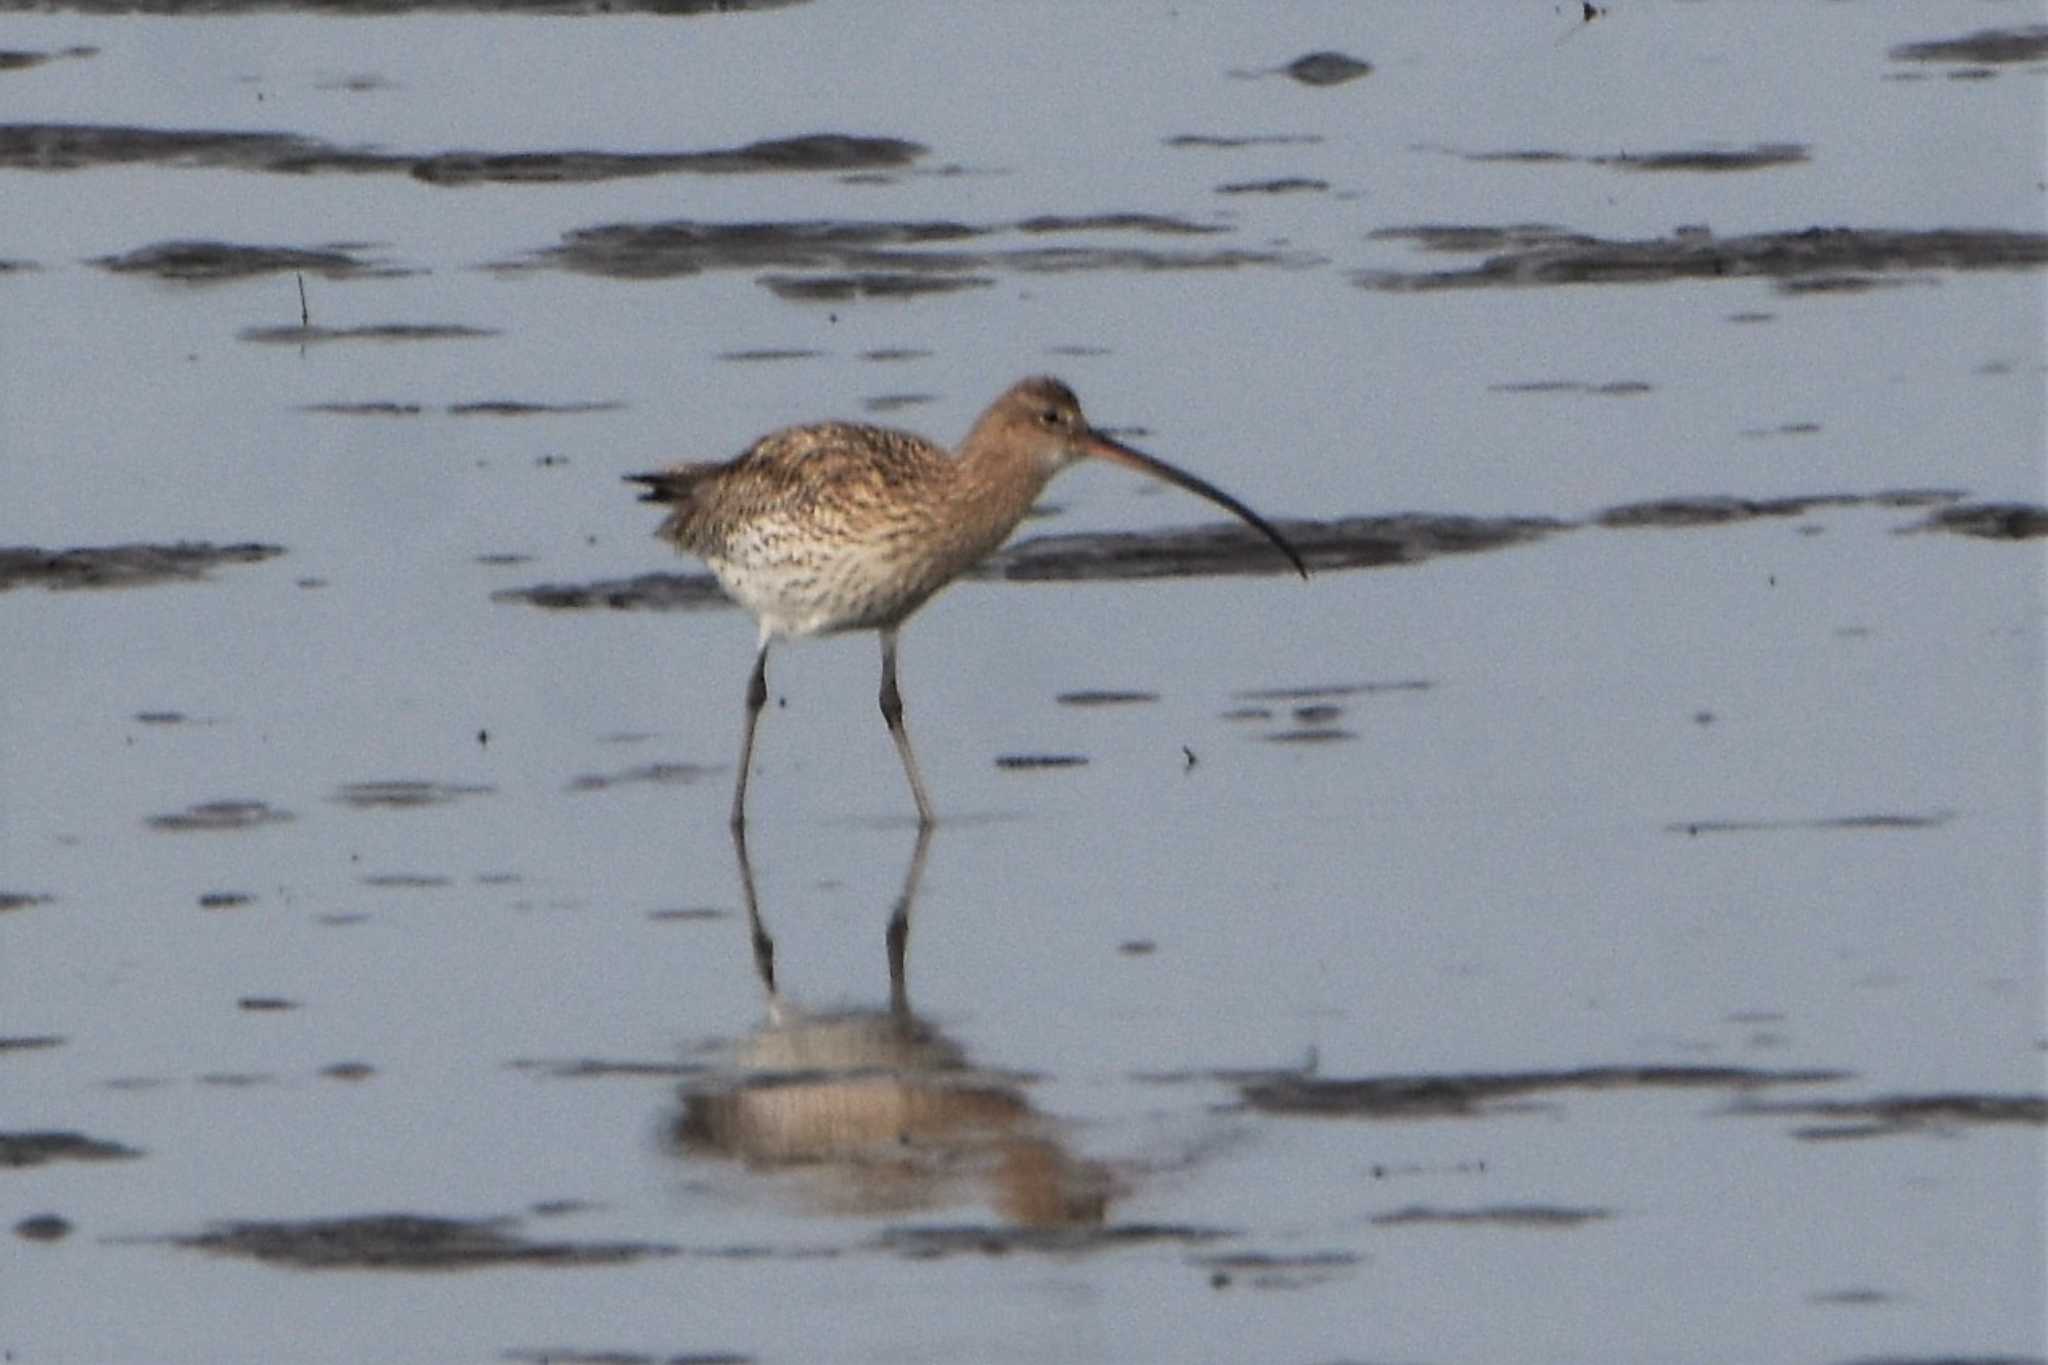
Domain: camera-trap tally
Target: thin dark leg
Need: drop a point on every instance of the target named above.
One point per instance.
(757, 697)
(892, 715)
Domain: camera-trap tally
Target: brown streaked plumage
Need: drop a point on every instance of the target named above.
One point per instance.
(841, 526)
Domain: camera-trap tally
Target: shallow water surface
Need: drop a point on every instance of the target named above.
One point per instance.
(1597, 917)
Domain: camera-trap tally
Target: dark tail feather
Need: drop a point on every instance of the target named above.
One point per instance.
(665, 485)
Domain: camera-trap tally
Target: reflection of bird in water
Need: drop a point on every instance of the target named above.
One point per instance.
(839, 526)
(877, 1110)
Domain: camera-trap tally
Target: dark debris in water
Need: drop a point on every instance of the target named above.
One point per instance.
(1540, 257)
(648, 592)
(494, 407)
(1762, 156)
(1039, 762)
(1228, 548)
(834, 259)
(1276, 1270)
(1891, 1115)
(399, 1241)
(366, 8)
(203, 262)
(1477, 1094)
(406, 793)
(379, 331)
(21, 900)
(72, 146)
(1104, 696)
(29, 1042)
(37, 1148)
(1494, 1215)
(214, 816)
(931, 1241)
(1878, 820)
(1281, 184)
(556, 1355)
(1986, 45)
(16, 59)
(1226, 142)
(1988, 520)
(1327, 68)
(655, 774)
(1720, 510)
(603, 1068)
(122, 566)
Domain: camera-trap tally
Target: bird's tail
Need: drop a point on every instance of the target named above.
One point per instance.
(673, 484)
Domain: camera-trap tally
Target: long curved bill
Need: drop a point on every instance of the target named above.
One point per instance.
(1116, 452)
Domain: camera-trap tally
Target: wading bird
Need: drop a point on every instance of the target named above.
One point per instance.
(840, 526)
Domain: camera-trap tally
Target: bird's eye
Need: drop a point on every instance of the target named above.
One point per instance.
(1051, 417)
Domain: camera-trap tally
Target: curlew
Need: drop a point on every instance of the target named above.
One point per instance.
(839, 526)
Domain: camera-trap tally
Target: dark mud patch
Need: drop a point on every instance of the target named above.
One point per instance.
(1325, 691)
(495, 407)
(1549, 1216)
(1537, 257)
(200, 262)
(75, 146)
(212, 816)
(689, 914)
(1763, 156)
(1987, 46)
(405, 794)
(896, 402)
(1617, 388)
(756, 357)
(932, 1241)
(1103, 696)
(122, 566)
(1895, 1115)
(399, 1241)
(225, 900)
(14, 59)
(22, 900)
(1988, 520)
(654, 774)
(1879, 820)
(867, 284)
(41, 1148)
(837, 259)
(648, 592)
(1226, 548)
(1281, 184)
(1719, 511)
(1479, 1094)
(1323, 69)
(1039, 762)
(1310, 734)
(1272, 1270)
(1231, 142)
(43, 1227)
(30, 1042)
(561, 1356)
(376, 331)
(406, 881)
(603, 1068)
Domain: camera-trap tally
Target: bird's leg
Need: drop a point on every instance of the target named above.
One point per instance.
(892, 714)
(757, 697)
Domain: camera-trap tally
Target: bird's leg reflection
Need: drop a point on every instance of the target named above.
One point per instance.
(875, 1110)
(898, 934)
(764, 946)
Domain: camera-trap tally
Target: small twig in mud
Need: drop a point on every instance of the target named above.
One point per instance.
(305, 314)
